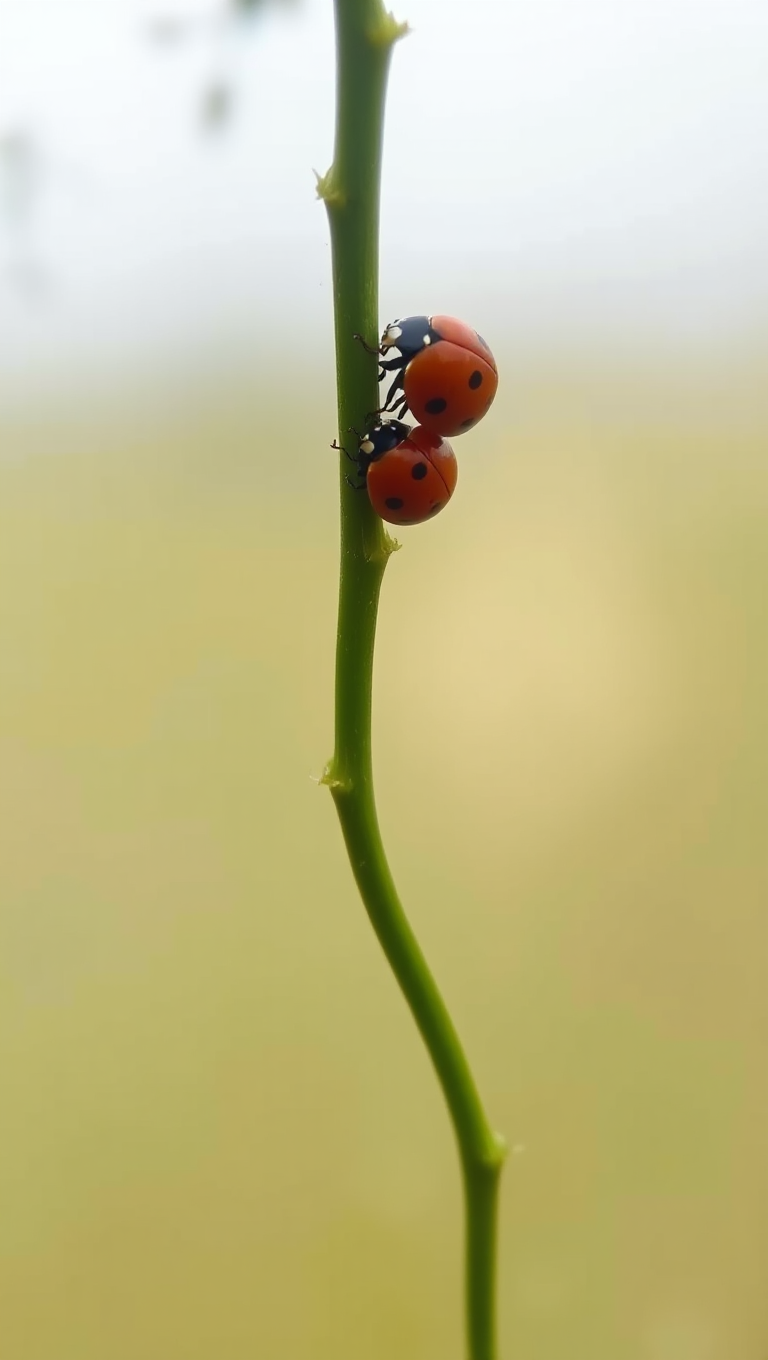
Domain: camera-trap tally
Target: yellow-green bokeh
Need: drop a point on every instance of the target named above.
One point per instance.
(220, 1134)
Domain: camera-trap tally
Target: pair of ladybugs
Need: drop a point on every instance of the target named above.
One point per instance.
(447, 376)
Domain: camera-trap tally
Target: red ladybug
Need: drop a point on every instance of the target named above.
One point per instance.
(410, 474)
(446, 374)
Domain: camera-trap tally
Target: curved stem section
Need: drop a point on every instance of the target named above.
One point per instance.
(365, 35)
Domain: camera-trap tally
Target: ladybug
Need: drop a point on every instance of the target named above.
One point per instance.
(410, 473)
(446, 374)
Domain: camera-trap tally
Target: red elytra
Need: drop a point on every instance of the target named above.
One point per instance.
(447, 374)
(413, 481)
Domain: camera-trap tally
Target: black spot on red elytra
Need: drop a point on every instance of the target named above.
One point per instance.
(419, 471)
(394, 503)
(433, 509)
(467, 424)
(475, 379)
(435, 405)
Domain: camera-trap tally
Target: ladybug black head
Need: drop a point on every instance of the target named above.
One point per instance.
(410, 335)
(381, 438)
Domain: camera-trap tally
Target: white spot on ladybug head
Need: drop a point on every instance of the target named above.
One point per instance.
(426, 340)
(391, 336)
(366, 446)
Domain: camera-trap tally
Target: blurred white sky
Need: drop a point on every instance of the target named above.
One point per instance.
(561, 168)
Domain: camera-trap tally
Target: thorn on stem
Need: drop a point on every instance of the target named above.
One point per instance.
(326, 189)
(387, 31)
(331, 780)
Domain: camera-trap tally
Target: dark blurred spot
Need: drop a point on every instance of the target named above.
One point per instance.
(216, 105)
(168, 28)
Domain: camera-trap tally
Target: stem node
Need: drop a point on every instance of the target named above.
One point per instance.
(327, 190)
(331, 780)
(387, 31)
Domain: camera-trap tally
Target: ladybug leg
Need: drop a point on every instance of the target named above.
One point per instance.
(356, 486)
(398, 410)
(361, 460)
(390, 366)
(369, 349)
(396, 386)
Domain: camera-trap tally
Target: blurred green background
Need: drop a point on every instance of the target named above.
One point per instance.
(220, 1134)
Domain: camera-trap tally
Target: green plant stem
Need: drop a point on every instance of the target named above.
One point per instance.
(365, 34)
